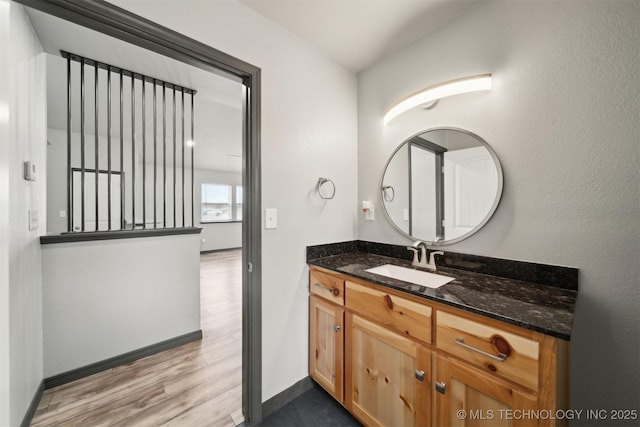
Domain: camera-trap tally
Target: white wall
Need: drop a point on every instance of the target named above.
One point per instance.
(23, 123)
(121, 295)
(308, 131)
(563, 119)
(56, 180)
(5, 304)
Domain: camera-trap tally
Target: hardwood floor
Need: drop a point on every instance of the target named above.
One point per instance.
(196, 384)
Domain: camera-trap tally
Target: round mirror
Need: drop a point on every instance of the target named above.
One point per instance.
(441, 185)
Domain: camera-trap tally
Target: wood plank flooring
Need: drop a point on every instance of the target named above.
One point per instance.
(195, 384)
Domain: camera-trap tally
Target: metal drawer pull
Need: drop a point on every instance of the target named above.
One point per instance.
(420, 375)
(336, 328)
(500, 357)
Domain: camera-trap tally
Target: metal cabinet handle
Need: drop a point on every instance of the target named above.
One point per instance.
(441, 387)
(500, 357)
(420, 375)
(336, 328)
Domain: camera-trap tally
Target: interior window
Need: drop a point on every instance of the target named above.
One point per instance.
(220, 202)
(238, 203)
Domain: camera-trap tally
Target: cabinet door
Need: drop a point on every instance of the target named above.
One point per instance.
(388, 376)
(326, 345)
(466, 396)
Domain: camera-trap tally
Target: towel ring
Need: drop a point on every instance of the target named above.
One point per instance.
(321, 182)
(385, 193)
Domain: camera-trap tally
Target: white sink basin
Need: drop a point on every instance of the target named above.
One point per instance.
(410, 275)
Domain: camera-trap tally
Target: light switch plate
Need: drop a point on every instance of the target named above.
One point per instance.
(29, 170)
(270, 218)
(33, 219)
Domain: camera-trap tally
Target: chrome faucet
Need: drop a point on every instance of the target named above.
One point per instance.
(417, 257)
(421, 259)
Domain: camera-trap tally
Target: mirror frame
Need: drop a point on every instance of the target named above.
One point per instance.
(494, 206)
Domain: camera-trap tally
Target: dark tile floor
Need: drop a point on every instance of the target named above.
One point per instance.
(313, 408)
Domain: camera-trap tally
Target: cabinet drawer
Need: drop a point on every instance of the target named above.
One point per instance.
(409, 318)
(326, 286)
(509, 355)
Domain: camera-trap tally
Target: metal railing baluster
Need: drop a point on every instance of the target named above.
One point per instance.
(69, 171)
(109, 220)
(133, 154)
(182, 147)
(144, 156)
(82, 165)
(96, 148)
(138, 121)
(174, 158)
(155, 156)
(122, 183)
(193, 146)
(164, 155)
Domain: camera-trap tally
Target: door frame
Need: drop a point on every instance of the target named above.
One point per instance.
(119, 23)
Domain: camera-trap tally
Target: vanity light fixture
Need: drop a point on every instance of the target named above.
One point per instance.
(429, 96)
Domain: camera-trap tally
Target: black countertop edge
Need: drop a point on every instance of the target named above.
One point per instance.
(520, 323)
(119, 234)
(551, 314)
(543, 274)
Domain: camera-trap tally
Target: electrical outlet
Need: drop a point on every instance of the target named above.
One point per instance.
(368, 209)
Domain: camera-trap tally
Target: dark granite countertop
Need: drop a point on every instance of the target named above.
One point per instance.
(542, 308)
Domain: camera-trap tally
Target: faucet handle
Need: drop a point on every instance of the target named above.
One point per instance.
(415, 254)
(432, 258)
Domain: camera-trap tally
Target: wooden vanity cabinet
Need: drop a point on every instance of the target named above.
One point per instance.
(326, 340)
(388, 378)
(388, 362)
(326, 332)
(497, 374)
(394, 359)
(402, 315)
(466, 396)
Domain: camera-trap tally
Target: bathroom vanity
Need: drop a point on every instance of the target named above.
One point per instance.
(487, 348)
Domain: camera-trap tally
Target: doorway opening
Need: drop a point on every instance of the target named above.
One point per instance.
(120, 24)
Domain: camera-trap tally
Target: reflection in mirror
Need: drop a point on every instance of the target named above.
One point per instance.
(441, 185)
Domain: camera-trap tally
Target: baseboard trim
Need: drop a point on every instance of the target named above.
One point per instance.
(94, 368)
(33, 406)
(286, 396)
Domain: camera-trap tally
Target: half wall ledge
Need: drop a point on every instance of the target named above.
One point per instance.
(120, 234)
